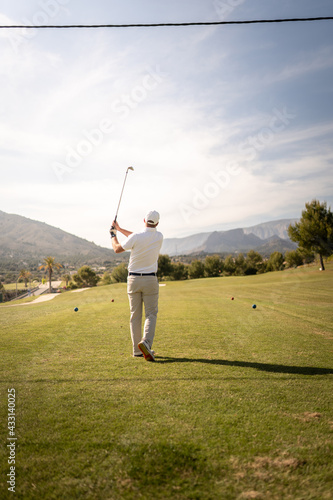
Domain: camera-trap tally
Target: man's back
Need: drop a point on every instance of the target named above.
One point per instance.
(145, 247)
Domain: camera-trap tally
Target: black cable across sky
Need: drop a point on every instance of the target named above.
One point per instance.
(157, 25)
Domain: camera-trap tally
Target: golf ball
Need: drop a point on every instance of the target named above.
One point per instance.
(76, 309)
(254, 306)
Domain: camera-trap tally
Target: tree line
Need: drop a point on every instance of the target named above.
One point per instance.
(213, 266)
(313, 233)
(233, 265)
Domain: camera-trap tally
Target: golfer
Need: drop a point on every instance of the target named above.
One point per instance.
(142, 283)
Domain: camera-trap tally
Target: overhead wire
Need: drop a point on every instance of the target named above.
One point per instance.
(156, 25)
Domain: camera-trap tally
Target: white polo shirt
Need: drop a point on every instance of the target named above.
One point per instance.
(145, 248)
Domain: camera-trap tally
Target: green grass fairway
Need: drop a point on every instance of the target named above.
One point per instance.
(237, 406)
(13, 286)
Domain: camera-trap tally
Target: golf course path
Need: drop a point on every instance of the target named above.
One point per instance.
(42, 298)
(80, 290)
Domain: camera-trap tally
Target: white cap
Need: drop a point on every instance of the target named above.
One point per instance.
(152, 217)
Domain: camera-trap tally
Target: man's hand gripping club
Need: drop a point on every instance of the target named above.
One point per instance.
(113, 232)
(113, 229)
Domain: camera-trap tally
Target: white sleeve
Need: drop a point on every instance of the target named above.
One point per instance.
(129, 242)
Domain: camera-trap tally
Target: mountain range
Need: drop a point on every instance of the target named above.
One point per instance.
(23, 238)
(264, 238)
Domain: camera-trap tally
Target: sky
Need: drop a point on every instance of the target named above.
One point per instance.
(225, 126)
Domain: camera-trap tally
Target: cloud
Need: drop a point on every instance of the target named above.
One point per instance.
(211, 108)
(307, 63)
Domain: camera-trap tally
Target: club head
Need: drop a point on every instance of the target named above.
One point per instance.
(130, 168)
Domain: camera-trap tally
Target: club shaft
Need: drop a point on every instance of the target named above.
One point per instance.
(121, 194)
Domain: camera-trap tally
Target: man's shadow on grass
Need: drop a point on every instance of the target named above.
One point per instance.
(267, 367)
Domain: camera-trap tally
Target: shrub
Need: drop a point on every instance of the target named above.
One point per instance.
(293, 258)
(165, 267)
(179, 271)
(213, 266)
(85, 277)
(196, 269)
(275, 262)
(119, 274)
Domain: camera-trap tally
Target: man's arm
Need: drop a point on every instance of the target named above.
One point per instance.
(116, 245)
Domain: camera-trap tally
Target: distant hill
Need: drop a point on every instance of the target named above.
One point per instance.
(265, 238)
(268, 229)
(230, 241)
(275, 244)
(23, 238)
(183, 246)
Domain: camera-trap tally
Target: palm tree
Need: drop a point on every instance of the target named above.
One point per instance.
(25, 275)
(67, 278)
(49, 266)
(2, 292)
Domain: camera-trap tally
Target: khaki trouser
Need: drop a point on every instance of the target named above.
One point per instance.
(142, 290)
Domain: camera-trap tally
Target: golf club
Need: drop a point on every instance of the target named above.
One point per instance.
(121, 194)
